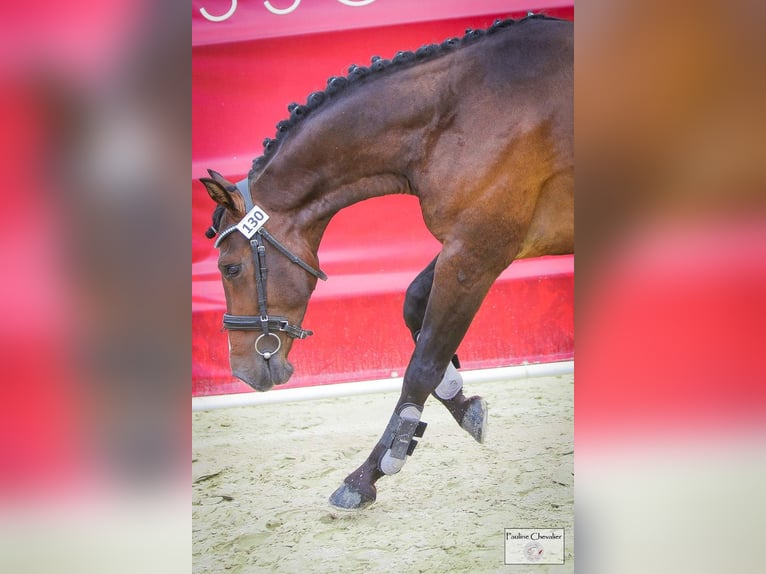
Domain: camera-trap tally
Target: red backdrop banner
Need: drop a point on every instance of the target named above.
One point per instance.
(246, 69)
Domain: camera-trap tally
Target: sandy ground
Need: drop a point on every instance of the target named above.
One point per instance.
(262, 476)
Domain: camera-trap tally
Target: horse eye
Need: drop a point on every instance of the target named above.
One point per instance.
(232, 270)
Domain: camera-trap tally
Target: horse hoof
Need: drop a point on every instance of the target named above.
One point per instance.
(475, 419)
(348, 497)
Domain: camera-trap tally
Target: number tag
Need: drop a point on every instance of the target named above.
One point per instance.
(252, 222)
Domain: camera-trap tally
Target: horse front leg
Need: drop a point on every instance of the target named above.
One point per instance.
(469, 413)
(453, 302)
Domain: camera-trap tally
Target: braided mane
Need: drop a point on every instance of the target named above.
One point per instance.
(378, 67)
(336, 85)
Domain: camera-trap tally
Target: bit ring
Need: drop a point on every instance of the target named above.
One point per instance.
(268, 354)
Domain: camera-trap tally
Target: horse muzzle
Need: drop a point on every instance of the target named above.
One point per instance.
(263, 374)
(262, 366)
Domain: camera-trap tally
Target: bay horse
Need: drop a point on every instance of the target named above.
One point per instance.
(480, 129)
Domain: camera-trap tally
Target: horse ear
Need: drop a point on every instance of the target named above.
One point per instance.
(217, 193)
(223, 192)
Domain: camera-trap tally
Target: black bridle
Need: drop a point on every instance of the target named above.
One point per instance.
(265, 322)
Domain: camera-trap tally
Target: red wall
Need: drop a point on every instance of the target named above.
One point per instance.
(245, 72)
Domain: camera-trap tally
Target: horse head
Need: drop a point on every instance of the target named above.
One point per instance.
(267, 284)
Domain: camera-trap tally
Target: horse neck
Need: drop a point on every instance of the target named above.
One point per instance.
(360, 146)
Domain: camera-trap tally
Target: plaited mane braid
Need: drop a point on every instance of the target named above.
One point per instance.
(212, 231)
(338, 84)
